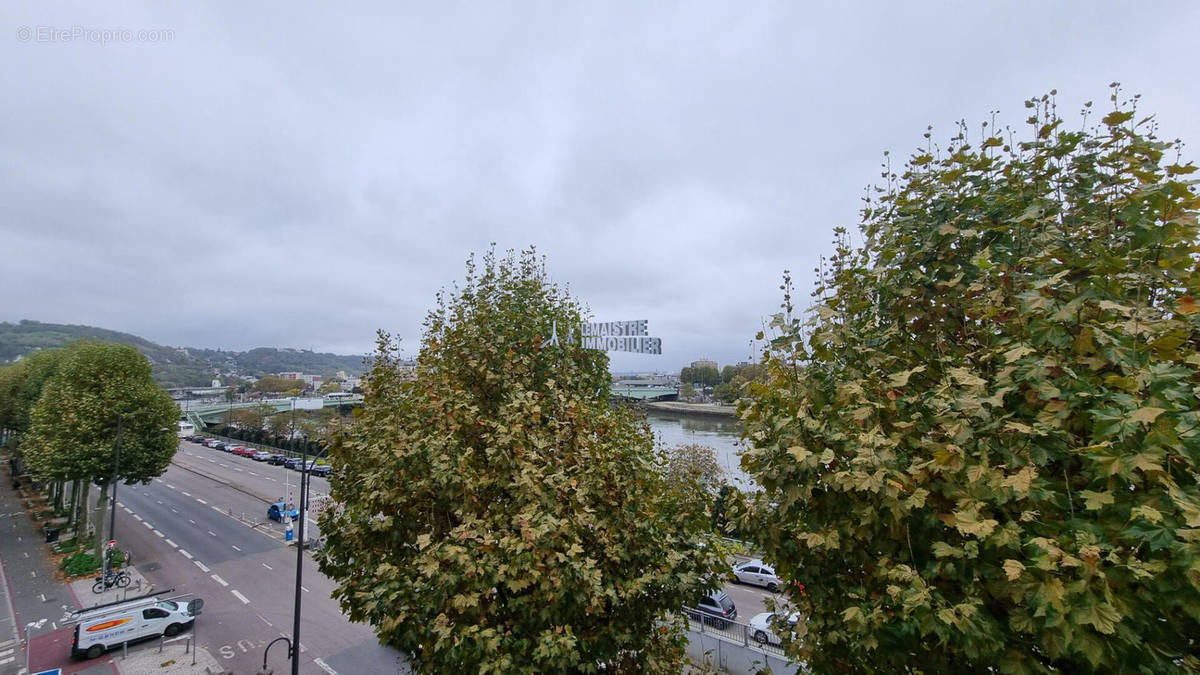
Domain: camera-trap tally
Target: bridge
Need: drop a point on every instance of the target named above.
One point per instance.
(646, 393)
(202, 414)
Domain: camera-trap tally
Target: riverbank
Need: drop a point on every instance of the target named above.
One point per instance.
(702, 409)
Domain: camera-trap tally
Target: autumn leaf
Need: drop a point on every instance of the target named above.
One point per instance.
(1013, 569)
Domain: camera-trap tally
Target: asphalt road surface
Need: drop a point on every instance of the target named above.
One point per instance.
(190, 532)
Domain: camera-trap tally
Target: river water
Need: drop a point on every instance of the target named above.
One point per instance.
(722, 434)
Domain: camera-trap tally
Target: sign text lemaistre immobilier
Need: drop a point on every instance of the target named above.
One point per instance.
(619, 336)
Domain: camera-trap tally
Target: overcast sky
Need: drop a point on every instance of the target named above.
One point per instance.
(246, 174)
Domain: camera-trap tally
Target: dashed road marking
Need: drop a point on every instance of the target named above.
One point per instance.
(137, 517)
(265, 620)
(185, 494)
(241, 597)
(148, 525)
(325, 667)
(202, 566)
(304, 589)
(191, 521)
(212, 533)
(127, 509)
(159, 533)
(158, 501)
(173, 544)
(174, 510)
(267, 566)
(236, 548)
(186, 554)
(171, 486)
(201, 501)
(158, 480)
(219, 580)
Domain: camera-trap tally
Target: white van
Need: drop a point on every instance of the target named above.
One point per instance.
(107, 626)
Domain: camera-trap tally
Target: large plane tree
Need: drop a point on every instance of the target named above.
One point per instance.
(102, 394)
(980, 451)
(497, 514)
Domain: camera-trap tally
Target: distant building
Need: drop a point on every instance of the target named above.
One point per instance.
(704, 363)
(313, 381)
(291, 376)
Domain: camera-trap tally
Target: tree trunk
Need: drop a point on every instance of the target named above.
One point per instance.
(72, 517)
(82, 522)
(101, 512)
(58, 496)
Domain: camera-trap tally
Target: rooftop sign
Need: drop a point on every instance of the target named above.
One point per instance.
(611, 336)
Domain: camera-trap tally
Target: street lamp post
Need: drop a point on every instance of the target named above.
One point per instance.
(112, 520)
(299, 557)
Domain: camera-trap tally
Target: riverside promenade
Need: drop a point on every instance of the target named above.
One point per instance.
(702, 409)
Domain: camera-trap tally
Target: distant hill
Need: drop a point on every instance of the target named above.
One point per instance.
(175, 366)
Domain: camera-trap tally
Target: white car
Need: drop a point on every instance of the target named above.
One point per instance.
(758, 573)
(763, 630)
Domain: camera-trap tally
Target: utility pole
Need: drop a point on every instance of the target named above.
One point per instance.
(299, 555)
(112, 520)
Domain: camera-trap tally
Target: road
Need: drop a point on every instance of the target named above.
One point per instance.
(187, 532)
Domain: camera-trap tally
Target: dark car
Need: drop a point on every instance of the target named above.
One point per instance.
(716, 608)
(293, 463)
(276, 459)
(320, 470)
(220, 446)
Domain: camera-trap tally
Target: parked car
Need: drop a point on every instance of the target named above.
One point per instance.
(277, 459)
(293, 463)
(209, 442)
(716, 608)
(261, 456)
(280, 510)
(758, 573)
(243, 451)
(763, 627)
(223, 447)
(320, 469)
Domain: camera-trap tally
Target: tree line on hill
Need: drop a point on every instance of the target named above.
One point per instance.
(175, 366)
(726, 384)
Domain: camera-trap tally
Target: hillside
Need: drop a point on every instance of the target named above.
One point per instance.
(175, 366)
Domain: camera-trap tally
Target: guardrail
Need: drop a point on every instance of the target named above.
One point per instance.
(732, 630)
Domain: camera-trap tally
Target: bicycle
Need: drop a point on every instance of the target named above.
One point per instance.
(106, 581)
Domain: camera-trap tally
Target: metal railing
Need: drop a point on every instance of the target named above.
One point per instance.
(733, 631)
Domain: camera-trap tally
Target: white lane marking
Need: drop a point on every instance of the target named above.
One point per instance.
(171, 486)
(201, 501)
(174, 510)
(173, 544)
(237, 469)
(212, 461)
(325, 667)
(191, 521)
(186, 554)
(159, 533)
(127, 509)
(158, 501)
(236, 548)
(186, 494)
(212, 533)
(241, 597)
(265, 620)
(267, 566)
(137, 517)
(219, 580)
(121, 504)
(33, 574)
(158, 480)
(202, 566)
(148, 525)
(304, 589)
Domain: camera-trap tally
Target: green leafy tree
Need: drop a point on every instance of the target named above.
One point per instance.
(984, 442)
(687, 390)
(73, 425)
(497, 514)
(724, 393)
(692, 464)
(279, 385)
(252, 418)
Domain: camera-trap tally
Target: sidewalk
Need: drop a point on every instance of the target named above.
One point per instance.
(34, 595)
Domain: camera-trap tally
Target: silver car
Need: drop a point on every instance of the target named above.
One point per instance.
(758, 573)
(763, 626)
